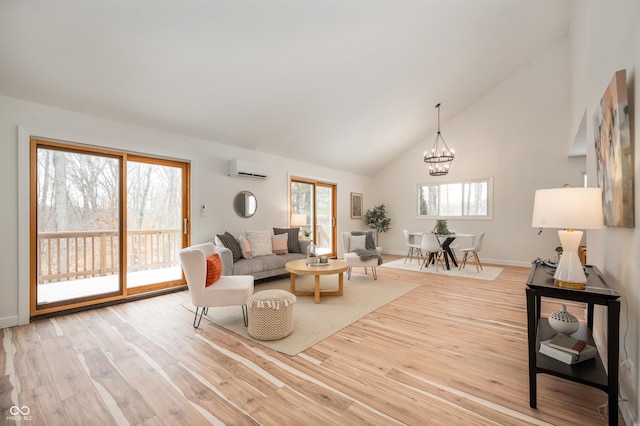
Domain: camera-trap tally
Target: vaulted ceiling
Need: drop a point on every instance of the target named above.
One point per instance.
(348, 84)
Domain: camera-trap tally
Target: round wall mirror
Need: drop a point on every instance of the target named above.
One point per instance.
(245, 204)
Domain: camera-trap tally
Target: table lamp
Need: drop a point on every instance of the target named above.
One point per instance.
(298, 219)
(568, 208)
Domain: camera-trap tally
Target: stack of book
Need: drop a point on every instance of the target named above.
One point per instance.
(567, 349)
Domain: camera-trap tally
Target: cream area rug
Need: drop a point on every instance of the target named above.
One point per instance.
(488, 273)
(315, 322)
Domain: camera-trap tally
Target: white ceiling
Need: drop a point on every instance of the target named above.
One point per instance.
(348, 84)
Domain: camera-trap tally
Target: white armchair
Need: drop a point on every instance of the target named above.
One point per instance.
(227, 291)
(353, 260)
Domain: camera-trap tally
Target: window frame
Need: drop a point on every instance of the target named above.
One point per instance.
(488, 216)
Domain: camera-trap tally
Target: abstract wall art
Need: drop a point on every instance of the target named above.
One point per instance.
(614, 153)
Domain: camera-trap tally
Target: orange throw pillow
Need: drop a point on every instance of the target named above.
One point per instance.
(214, 269)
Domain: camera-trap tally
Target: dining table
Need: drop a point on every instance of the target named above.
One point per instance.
(445, 242)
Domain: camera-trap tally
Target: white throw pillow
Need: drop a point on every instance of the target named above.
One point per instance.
(357, 242)
(260, 242)
(245, 247)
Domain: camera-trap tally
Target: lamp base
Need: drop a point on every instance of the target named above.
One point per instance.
(569, 272)
(568, 284)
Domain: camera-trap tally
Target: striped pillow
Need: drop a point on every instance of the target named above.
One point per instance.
(293, 246)
(279, 244)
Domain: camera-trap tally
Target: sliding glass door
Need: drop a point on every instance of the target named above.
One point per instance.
(104, 225)
(316, 203)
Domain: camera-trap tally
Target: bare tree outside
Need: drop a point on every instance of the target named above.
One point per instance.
(454, 199)
(154, 211)
(77, 219)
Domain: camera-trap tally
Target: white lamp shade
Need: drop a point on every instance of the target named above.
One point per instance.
(562, 208)
(298, 219)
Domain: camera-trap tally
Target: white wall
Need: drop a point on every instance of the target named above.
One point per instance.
(517, 134)
(210, 184)
(606, 38)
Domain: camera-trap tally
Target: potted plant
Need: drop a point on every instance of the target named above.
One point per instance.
(441, 227)
(376, 219)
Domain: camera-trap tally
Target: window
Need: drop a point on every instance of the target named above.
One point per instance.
(468, 199)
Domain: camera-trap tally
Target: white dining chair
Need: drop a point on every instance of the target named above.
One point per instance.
(414, 247)
(431, 250)
(471, 254)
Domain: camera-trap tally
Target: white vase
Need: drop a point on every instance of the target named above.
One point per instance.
(563, 322)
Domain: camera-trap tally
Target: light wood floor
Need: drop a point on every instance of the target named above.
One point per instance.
(450, 352)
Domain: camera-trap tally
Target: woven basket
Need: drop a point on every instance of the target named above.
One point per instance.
(270, 314)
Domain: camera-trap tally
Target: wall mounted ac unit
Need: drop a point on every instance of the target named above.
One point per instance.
(248, 169)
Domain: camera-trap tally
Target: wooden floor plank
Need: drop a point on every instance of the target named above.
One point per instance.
(206, 396)
(29, 359)
(75, 408)
(6, 388)
(45, 406)
(159, 393)
(67, 372)
(104, 374)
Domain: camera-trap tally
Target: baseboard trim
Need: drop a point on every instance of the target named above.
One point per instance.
(10, 321)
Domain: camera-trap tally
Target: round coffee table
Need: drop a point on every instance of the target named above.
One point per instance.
(300, 267)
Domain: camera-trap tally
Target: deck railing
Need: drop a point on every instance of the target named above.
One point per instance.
(86, 254)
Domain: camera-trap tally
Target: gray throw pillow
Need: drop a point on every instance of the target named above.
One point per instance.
(232, 244)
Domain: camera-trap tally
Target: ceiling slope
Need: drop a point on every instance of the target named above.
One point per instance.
(348, 84)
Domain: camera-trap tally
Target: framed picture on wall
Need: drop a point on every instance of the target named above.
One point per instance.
(356, 205)
(614, 153)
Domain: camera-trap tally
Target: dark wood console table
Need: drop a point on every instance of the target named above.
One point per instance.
(590, 372)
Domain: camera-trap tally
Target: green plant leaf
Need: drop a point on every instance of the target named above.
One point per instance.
(376, 219)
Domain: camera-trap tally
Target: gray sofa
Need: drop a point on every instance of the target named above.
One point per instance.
(261, 266)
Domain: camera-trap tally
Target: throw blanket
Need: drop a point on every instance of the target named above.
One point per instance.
(368, 254)
(369, 251)
(369, 242)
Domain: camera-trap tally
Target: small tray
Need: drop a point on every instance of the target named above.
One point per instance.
(319, 264)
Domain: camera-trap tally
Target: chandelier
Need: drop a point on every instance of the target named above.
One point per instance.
(439, 160)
